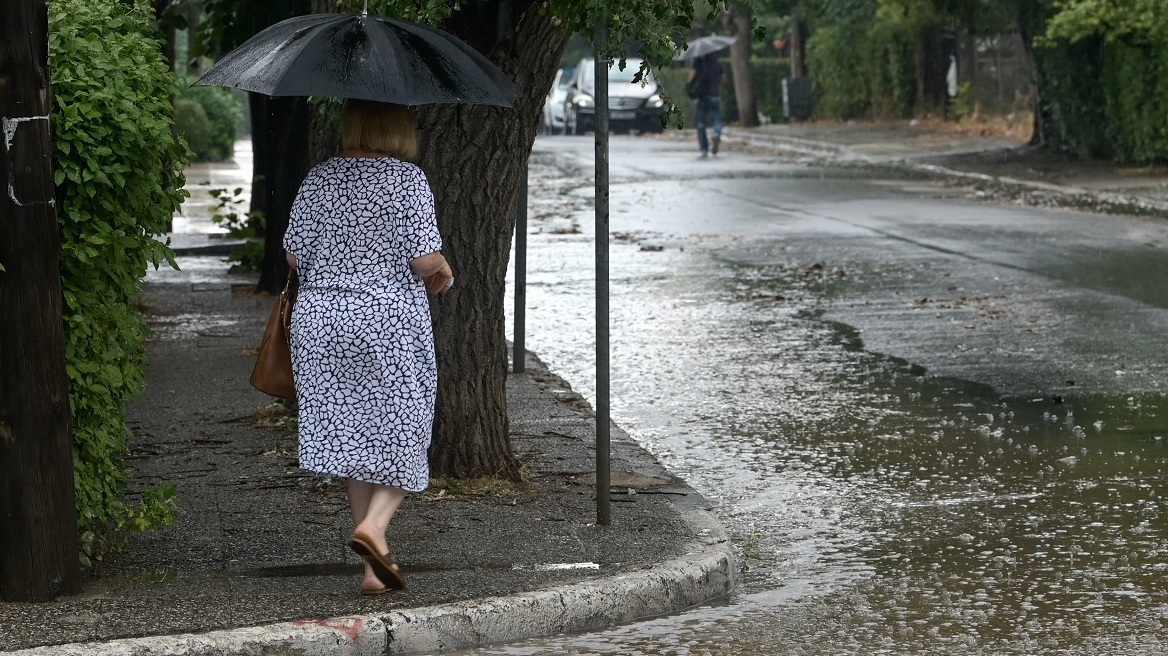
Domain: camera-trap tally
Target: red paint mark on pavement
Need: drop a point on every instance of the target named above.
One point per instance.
(349, 627)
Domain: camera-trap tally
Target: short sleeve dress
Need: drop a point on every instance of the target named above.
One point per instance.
(362, 342)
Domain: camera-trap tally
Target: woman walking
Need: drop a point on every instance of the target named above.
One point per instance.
(363, 237)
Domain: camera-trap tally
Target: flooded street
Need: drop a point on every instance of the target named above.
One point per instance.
(931, 424)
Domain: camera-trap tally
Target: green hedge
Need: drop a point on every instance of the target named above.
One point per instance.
(862, 71)
(224, 116)
(191, 123)
(1136, 91)
(1106, 99)
(119, 175)
(1074, 108)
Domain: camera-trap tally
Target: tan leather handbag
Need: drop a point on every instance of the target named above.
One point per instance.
(273, 368)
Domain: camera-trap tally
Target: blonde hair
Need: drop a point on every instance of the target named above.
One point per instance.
(379, 127)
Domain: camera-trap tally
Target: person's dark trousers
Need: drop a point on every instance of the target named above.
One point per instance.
(708, 112)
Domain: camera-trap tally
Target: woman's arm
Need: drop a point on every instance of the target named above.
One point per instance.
(433, 268)
(291, 260)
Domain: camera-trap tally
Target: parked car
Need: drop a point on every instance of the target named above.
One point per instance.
(552, 121)
(631, 105)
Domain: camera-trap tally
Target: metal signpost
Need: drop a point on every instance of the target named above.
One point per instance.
(519, 350)
(603, 475)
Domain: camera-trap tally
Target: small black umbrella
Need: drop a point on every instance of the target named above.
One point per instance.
(366, 57)
(705, 45)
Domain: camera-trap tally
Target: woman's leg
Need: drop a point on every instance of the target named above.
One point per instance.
(372, 507)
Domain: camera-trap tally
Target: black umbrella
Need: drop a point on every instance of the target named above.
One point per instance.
(367, 57)
(705, 45)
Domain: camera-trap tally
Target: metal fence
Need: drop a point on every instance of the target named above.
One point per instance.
(1001, 75)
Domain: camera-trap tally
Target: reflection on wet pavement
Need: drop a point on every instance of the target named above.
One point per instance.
(878, 510)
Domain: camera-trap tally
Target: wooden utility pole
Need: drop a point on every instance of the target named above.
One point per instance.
(39, 544)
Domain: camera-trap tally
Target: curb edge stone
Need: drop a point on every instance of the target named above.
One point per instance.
(707, 571)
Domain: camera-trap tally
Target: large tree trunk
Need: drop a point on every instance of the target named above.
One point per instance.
(737, 22)
(474, 157)
(1038, 128)
(280, 141)
(39, 544)
(167, 32)
(798, 49)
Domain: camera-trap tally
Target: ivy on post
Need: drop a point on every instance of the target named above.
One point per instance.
(39, 542)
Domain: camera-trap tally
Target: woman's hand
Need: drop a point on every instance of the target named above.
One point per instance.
(433, 268)
(440, 282)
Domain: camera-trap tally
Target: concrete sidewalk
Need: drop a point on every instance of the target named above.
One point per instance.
(994, 166)
(258, 560)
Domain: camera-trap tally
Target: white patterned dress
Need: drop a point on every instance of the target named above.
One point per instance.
(362, 343)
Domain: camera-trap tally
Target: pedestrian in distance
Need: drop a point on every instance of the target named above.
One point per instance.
(706, 81)
(363, 238)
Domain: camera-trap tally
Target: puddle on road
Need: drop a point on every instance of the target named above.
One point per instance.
(878, 510)
(189, 326)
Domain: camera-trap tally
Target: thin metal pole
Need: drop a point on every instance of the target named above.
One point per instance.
(603, 378)
(519, 355)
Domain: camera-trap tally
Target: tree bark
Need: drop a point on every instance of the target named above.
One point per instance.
(473, 157)
(737, 22)
(1038, 127)
(798, 49)
(167, 32)
(39, 544)
(280, 146)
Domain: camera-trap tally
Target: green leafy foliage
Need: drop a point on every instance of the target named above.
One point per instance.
(656, 27)
(863, 63)
(1141, 21)
(191, 123)
(119, 176)
(229, 214)
(159, 507)
(224, 119)
(964, 103)
(1104, 80)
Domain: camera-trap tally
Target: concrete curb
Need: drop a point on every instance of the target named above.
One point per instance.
(789, 144)
(225, 247)
(1106, 201)
(709, 570)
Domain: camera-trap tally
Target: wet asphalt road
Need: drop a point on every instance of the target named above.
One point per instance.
(933, 424)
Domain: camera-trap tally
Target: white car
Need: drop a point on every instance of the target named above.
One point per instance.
(631, 105)
(552, 120)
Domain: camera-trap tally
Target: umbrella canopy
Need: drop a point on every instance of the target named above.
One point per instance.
(702, 46)
(366, 57)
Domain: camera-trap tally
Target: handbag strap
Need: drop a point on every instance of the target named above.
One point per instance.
(287, 300)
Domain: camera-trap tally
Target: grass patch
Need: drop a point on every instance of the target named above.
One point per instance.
(455, 488)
